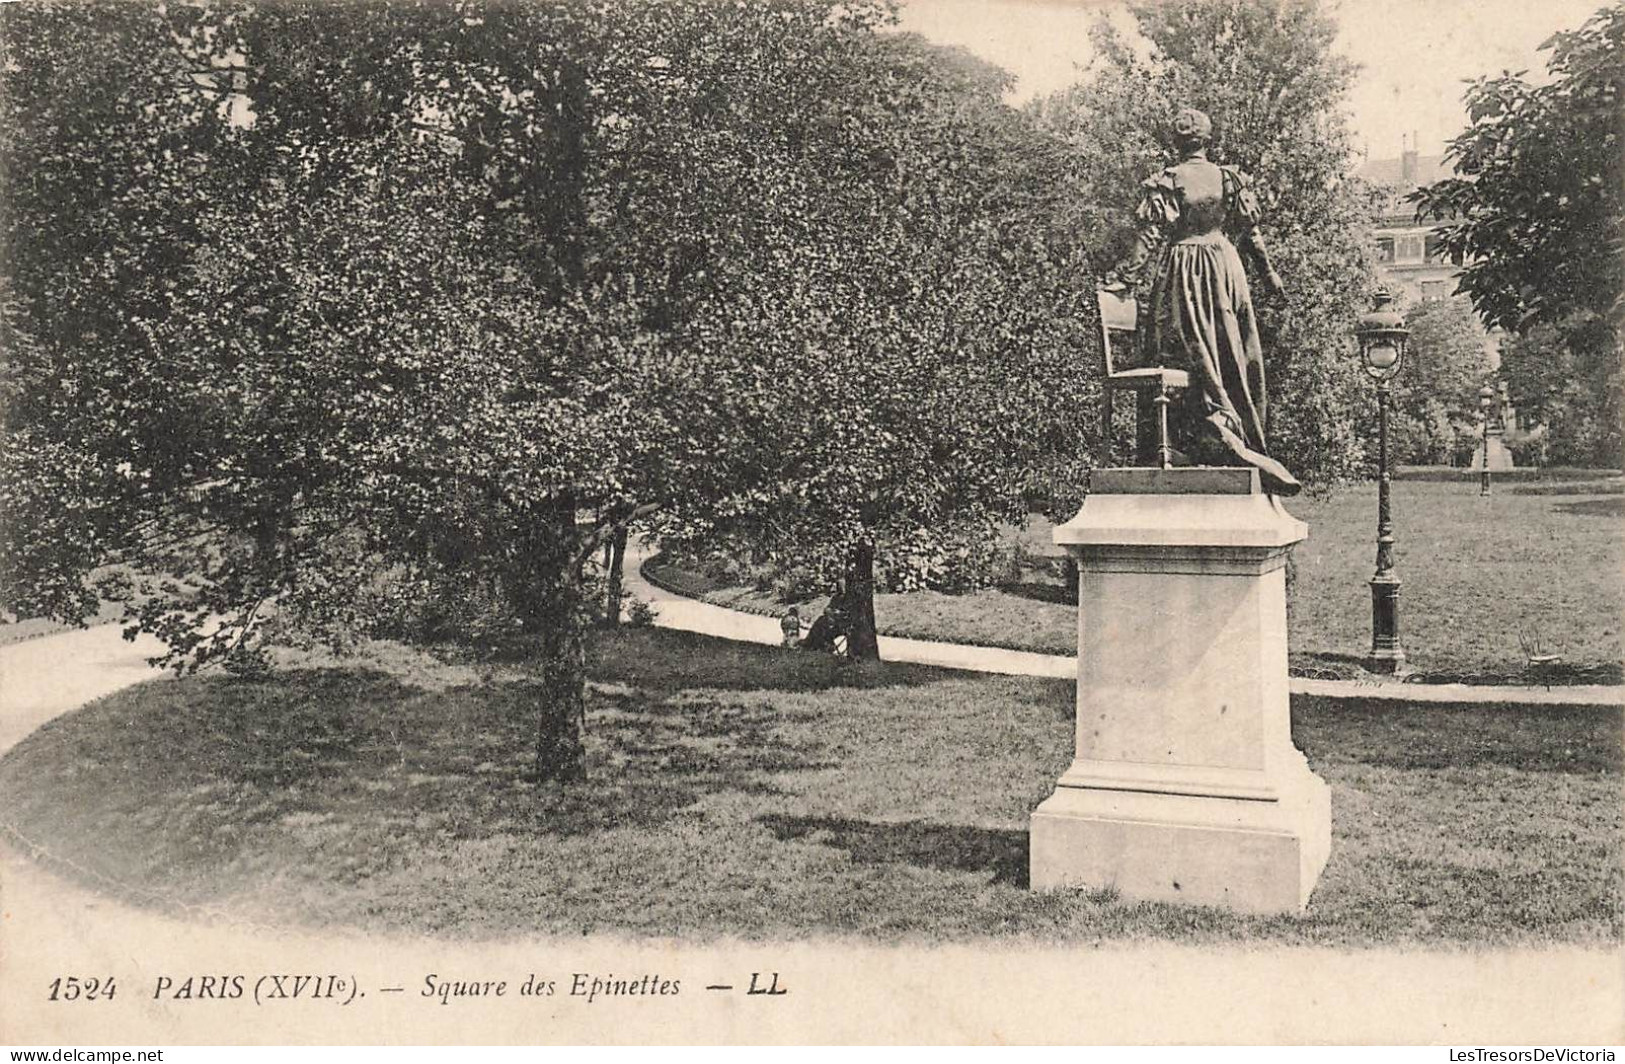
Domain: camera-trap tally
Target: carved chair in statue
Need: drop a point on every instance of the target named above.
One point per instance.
(1151, 385)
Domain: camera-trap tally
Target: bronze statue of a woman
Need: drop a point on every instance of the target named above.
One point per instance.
(1201, 309)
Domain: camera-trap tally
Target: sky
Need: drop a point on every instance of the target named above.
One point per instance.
(1414, 54)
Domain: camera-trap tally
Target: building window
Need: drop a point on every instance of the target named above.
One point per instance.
(1385, 249)
(1433, 290)
(1408, 249)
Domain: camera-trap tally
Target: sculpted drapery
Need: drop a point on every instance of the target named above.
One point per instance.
(1200, 311)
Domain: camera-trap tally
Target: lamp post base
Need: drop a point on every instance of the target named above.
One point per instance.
(1387, 662)
(1387, 655)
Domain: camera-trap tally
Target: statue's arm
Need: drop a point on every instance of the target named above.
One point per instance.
(1244, 215)
(1158, 207)
(1253, 246)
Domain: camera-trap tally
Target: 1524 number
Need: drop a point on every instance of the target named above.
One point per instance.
(75, 989)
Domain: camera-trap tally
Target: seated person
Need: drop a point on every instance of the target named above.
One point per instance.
(830, 626)
(790, 625)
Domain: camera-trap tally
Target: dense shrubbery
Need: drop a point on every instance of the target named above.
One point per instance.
(1435, 416)
(1568, 396)
(952, 560)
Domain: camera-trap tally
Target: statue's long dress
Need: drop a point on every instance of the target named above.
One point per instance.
(1202, 313)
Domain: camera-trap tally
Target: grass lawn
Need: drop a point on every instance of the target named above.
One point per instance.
(751, 791)
(1537, 561)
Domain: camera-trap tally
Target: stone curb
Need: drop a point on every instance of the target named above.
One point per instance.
(61, 630)
(1572, 695)
(672, 589)
(762, 611)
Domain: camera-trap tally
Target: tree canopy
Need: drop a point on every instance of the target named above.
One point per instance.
(1535, 212)
(915, 343)
(338, 312)
(1535, 216)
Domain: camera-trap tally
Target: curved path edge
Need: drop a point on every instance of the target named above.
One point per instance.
(51, 923)
(678, 611)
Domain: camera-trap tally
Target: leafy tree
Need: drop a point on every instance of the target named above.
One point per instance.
(916, 338)
(373, 333)
(1535, 209)
(102, 119)
(453, 294)
(1435, 399)
(1266, 73)
(1535, 215)
(1565, 395)
(327, 327)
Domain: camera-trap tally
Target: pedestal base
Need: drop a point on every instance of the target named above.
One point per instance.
(1185, 785)
(1246, 855)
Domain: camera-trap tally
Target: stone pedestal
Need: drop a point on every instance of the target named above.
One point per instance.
(1186, 785)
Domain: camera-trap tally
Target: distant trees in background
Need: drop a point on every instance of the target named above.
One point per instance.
(1435, 416)
(1536, 214)
(1567, 397)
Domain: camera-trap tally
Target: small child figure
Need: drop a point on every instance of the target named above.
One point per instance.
(790, 625)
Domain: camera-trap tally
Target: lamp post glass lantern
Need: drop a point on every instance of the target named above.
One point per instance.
(1383, 339)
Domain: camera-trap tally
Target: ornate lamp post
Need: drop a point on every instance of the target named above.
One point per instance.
(1486, 401)
(1383, 337)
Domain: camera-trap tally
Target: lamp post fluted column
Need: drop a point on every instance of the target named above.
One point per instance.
(1383, 339)
(1387, 655)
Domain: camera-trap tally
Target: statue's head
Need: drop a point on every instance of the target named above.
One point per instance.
(1192, 129)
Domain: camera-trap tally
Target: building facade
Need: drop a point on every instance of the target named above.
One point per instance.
(1414, 266)
(1408, 253)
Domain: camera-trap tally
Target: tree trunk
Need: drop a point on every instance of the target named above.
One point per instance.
(615, 579)
(862, 641)
(547, 595)
(561, 713)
